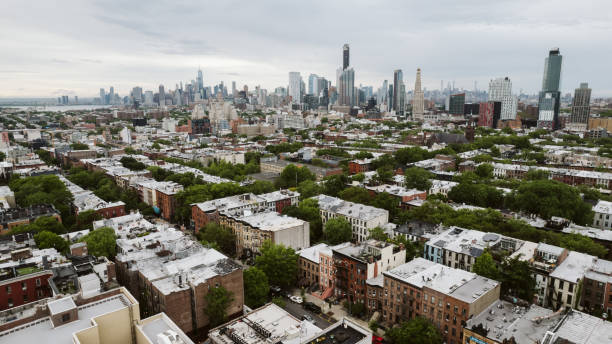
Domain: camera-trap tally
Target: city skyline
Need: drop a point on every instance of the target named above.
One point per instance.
(128, 45)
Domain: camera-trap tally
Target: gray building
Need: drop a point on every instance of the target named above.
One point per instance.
(581, 105)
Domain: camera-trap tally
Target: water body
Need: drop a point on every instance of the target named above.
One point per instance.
(59, 108)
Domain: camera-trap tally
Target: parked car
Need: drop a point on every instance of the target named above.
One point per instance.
(275, 289)
(312, 307)
(296, 299)
(307, 317)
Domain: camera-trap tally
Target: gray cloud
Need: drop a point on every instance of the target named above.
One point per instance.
(84, 45)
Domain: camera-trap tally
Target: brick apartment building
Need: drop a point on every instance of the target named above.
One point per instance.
(446, 296)
(13, 217)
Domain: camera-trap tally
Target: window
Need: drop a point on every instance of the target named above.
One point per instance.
(8, 289)
(25, 298)
(569, 299)
(66, 317)
(570, 288)
(38, 281)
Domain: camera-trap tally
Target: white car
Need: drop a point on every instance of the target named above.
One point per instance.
(296, 299)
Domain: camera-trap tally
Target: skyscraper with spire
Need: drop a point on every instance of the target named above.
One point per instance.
(418, 101)
(345, 56)
(200, 81)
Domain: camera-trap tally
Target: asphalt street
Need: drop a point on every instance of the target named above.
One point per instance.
(297, 311)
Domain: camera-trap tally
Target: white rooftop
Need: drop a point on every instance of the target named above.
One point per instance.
(574, 266)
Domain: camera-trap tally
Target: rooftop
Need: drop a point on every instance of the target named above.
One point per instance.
(503, 320)
(349, 209)
(572, 269)
(580, 328)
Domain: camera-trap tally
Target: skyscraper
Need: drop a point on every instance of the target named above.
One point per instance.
(345, 56)
(313, 84)
(200, 81)
(295, 84)
(418, 101)
(102, 96)
(346, 87)
(398, 80)
(500, 90)
(581, 107)
(549, 98)
(162, 96)
(456, 103)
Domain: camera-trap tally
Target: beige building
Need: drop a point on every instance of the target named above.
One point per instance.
(109, 318)
(251, 130)
(252, 229)
(361, 217)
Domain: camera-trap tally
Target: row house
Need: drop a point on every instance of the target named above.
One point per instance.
(359, 165)
(597, 288)
(204, 212)
(402, 194)
(362, 218)
(356, 263)
(253, 229)
(448, 297)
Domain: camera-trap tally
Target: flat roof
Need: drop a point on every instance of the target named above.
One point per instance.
(43, 330)
(160, 323)
(503, 320)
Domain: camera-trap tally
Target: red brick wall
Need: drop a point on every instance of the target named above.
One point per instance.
(32, 291)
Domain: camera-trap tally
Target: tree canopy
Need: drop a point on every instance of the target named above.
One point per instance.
(101, 242)
(47, 239)
(416, 331)
(221, 236)
(337, 230)
(292, 176)
(256, 287)
(279, 263)
(308, 210)
(218, 300)
(417, 178)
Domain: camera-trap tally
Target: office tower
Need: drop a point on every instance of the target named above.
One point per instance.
(581, 106)
(382, 95)
(313, 84)
(295, 84)
(137, 94)
(234, 90)
(398, 78)
(148, 98)
(111, 95)
(456, 103)
(345, 56)
(162, 96)
(418, 101)
(102, 96)
(549, 98)
(200, 80)
(500, 90)
(390, 98)
(346, 87)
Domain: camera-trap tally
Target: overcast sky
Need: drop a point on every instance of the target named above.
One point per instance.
(74, 47)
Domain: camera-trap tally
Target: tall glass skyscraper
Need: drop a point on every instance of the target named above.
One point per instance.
(345, 56)
(549, 99)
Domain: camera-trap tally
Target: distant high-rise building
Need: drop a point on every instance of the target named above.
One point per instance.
(162, 96)
(137, 94)
(550, 97)
(102, 96)
(581, 106)
(148, 98)
(345, 56)
(500, 90)
(111, 95)
(295, 85)
(418, 100)
(398, 80)
(456, 103)
(76, 99)
(313, 84)
(200, 81)
(234, 90)
(346, 87)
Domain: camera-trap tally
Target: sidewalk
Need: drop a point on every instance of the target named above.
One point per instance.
(338, 311)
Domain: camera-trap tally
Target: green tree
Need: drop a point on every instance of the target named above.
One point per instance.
(377, 233)
(411, 154)
(292, 176)
(279, 263)
(308, 210)
(356, 195)
(223, 237)
(385, 200)
(46, 239)
(549, 198)
(416, 331)
(337, 231)
(418, 178)
(79, 146)
(485, 171)
(383, 175)
(485, 266)
(536, 174)
(85, 219)
(101, 242)
(517, 279)
(256, 287)
(309, 188)
(218, 300)
(132, 164)
(335, 184)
